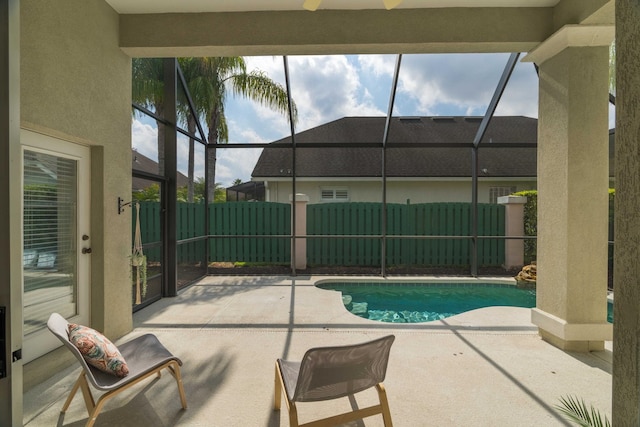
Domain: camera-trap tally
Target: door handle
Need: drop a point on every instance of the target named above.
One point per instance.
(86, 250)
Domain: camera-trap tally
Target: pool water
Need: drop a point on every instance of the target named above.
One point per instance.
(420, 302)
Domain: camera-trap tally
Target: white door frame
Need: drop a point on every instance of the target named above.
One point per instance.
(41, 342)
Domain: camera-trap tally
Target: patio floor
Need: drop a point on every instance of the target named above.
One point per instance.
(487, 367)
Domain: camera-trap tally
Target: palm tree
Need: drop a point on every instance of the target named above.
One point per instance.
(225, 74)
(198, 88)
(148, 91)
(208, 81)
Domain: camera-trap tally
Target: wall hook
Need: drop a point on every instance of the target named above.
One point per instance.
(122, 205)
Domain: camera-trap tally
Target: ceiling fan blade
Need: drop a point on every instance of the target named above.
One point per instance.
(311, 4)
(390, 4)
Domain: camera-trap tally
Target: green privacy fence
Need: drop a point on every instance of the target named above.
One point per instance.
(431, 219)
(253, 229)
(344, 219)
(190, 224)
(250, 219)
(150, 229)
(190, 219)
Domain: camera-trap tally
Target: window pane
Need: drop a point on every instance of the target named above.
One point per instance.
(145, 137)
(49, 257)
(190, 178)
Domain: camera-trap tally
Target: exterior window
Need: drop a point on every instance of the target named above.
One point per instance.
(334, 194)
(495, 192)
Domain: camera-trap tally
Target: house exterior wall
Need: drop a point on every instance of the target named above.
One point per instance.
(398, 191)
(626, 329)
(76, 87)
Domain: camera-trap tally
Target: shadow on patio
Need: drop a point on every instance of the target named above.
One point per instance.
(487, 367)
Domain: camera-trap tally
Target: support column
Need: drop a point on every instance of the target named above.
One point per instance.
(170, 172)
(299, 229)
(514, 226)
(571, 305)
(626, 328)
(11, 380)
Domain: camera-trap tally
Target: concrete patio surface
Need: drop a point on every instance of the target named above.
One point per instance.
(487, 367)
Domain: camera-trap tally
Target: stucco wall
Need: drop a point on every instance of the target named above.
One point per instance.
(626, 333)
(572, 162)
(76, 86)
(397, 191)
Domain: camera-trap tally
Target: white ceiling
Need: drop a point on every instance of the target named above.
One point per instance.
(191, 6)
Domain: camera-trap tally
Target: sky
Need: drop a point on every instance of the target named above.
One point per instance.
(327, 88)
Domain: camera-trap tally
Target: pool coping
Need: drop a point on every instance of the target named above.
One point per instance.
(411, 279)
(415, 282)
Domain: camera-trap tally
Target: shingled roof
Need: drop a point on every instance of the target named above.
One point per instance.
(143, 163)
(404, 160)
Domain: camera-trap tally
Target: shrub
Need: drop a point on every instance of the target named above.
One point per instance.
(530, 224)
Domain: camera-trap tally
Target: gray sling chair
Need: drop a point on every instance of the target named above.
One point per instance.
(327, 373)
(145, 356)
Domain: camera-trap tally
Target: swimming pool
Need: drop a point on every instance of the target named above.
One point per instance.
(425, 302)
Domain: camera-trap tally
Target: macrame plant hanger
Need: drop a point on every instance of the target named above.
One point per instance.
(137, 256)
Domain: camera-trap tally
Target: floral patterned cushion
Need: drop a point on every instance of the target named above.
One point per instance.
(97, 350)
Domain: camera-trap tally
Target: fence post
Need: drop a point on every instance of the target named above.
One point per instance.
(300, 208)
(513, 226)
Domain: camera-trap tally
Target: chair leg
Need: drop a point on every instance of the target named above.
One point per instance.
(277, 398)
(174, 368)
(386, 413)
(81, 383)
(94, 414)
(92, 408)
(67, 402)
(293, 415)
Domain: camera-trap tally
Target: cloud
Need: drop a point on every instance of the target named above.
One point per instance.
(144, 138)
(235, 163)
(183, 157)
(464, 84)
(377, 65)
(521, 94)
(324, 88)
(612, 116)
(456, 84)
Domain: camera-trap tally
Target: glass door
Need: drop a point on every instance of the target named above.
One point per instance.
(56, 242)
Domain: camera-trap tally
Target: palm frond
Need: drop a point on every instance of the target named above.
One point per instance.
(147, 81)
(257, 86)
(577, 411)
